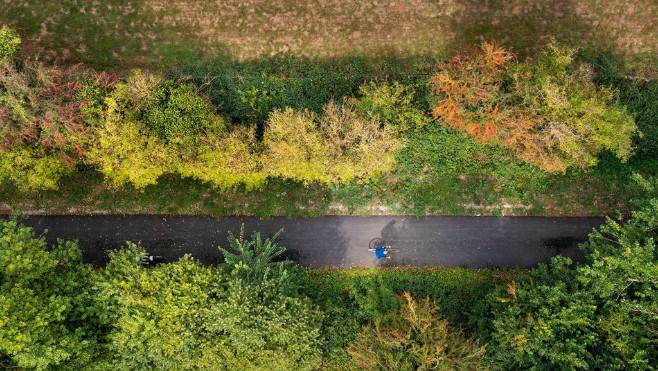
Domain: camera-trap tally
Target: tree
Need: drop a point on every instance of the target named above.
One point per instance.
(262, 326)
(44, 120)
(47, 311)
(122, 148)
(157, 316)
(294, 148)
(548, 110)
(600, 315)
(152, 127)
(179, 116)
(227, 160)
(10, 43)
(414, 339)
(337, 146)
(254, 260)
(185, 316)
(393, 104)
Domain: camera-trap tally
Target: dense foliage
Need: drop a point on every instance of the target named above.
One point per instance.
(548, 109)
(48, 313)
(337, 146)
(414, 339)
(601, 315)
(10, 43)
(44, 121)
(254, 312)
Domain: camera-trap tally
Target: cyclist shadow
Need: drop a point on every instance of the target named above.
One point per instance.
(391, 235)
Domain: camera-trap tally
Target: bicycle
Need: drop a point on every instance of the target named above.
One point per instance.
(380, 249)
(150, 260)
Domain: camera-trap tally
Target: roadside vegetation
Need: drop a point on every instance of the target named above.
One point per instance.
(257, 311)
(485, 132)
(307, 108)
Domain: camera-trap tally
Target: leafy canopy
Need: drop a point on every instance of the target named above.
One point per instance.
(548, 110)
(600, 315)
(47, 311)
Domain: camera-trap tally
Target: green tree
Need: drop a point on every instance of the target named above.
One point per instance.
(294, 148)
(122, 148)
(393, 104)
(179, 116)
(185, 316)
(254, 260)
(600, 315)
(157, 316)
(261, 326)
(10, 43)
(227, 160)
(30, 169)
(47, 311)
(414, 339)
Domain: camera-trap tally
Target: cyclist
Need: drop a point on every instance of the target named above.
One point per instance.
(381, 252)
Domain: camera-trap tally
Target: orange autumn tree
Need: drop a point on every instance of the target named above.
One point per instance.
(547, 110)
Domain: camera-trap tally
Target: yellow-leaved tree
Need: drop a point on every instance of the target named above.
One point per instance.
(227, 160)
(337, 146)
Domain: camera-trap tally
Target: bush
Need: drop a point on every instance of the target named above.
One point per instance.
(227, 160)
(179, 116)
(414, 339)
(10, 43)
(150, 128)
(335, 147)
(600, 315)
(248, 91)
(44, 121)
(48, 311)
(30, 169)
(394, 104)
(122, 148)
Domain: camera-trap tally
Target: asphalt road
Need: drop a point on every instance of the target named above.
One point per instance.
(335, 240)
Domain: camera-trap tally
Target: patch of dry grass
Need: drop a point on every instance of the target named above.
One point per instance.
(149, 32)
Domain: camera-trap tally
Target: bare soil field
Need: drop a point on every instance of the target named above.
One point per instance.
(106, 33)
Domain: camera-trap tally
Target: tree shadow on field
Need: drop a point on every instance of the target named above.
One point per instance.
(524, 26)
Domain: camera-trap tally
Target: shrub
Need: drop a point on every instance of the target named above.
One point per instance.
(150, 128)
(393, 104)
(179, 116)
(44, 122)
(337, 146)
(30, 169)
(414, 339)
(125, 154)
(600, 315)
(10, 43)
(226, 160)
(254, 260)
(47, 308)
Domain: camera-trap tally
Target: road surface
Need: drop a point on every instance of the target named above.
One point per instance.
(335, 241)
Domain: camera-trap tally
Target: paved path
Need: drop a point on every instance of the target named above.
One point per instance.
(336, 240)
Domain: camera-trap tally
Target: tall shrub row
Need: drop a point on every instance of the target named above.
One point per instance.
(547, 110)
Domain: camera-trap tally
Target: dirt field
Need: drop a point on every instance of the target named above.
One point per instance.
(143, 32)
